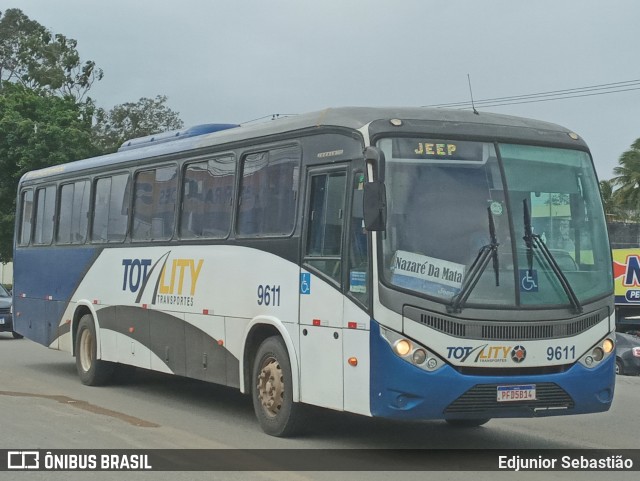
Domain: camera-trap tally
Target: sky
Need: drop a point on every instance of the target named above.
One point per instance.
(235, 61)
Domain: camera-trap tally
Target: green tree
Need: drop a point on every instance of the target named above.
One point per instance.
(36, 131)
(46, 117)
(612, 206)
(627, 178)
(34, 57)
(131, 120)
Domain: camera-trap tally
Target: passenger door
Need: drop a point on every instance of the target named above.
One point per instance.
(321, 278)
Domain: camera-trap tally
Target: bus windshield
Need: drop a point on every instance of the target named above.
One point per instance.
(455, 203)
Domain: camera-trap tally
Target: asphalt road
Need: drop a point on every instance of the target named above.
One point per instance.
(43, 405)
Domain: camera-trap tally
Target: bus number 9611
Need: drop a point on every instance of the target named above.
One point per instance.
(268, 295)
(560, 353)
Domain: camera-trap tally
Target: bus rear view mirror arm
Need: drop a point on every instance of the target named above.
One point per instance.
(374, 157)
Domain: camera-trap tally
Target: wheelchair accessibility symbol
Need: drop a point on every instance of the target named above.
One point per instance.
(305, 283)
(528, 280)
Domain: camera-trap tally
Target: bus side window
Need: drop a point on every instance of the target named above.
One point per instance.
(110, 209)
(268, 192)
(207, 198)
(26, 209)
(326, 218)
(154, 203)
(45, 210)
(101, 210)
(72, 220)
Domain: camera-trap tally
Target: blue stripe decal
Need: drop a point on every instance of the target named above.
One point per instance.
(44, 281)
(53, 272)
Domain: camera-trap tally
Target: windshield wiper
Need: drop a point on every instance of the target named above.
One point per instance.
(534, 241)
(478, 266)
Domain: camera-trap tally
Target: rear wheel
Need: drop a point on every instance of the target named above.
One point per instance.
(16, 335)
(92, 371)
(272, 389)
(467, 423)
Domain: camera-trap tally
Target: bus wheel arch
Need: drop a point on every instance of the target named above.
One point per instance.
(256, 333)
(80, 312)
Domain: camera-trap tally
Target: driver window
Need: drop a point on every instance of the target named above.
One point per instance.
(326, 217)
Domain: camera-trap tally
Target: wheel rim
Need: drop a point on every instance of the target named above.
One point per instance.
(86, 350)
(271, 387)
(618, 368)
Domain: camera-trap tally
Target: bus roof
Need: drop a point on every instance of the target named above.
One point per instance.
(344, 117)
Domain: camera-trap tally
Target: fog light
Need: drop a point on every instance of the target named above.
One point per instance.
(419, 356)
(588, 360)
(432, 363)
(598, 354)
(402, 347)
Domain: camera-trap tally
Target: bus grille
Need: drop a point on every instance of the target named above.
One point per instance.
(5, 310)
(506, 331)
(483, 397)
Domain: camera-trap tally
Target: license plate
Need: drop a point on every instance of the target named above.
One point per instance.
(1, 321)
(517, 393)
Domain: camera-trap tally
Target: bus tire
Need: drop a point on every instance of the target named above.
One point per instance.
(467, 423)
(91, 370)
(272, 390)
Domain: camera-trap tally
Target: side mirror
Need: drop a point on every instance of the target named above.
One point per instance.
(375, 193)
(375, 206)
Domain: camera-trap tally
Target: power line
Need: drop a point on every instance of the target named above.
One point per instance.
(601, 89)
(559, 98)
(550, 93)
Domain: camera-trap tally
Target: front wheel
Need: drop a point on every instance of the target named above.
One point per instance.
(272, 389)
(92, 371)
(467, 423)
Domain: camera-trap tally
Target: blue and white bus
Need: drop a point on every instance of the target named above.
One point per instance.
(405, 263)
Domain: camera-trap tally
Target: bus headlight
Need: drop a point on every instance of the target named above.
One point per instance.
(402, 347)
(608, 345)
(411, 351)
(598, 353)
